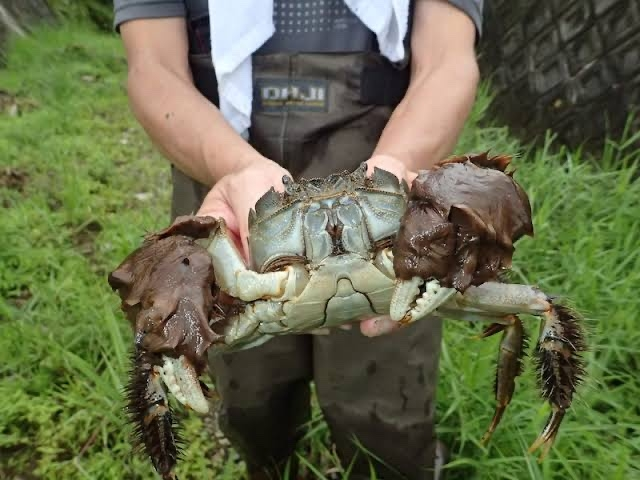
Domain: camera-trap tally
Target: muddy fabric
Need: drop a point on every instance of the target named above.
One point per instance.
(378, 392)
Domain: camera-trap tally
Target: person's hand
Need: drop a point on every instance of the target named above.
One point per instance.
(393, 165)
(235, 194)
(380, 325)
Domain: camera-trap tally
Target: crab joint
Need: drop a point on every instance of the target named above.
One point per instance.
(182, 381)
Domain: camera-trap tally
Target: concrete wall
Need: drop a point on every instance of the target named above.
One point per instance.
(17, 15)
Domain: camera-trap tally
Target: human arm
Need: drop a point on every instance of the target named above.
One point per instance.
(426, 124)
(185, 126)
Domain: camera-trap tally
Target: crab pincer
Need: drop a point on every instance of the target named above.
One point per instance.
(166, 291)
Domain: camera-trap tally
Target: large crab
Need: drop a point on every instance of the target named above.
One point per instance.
(329, 251)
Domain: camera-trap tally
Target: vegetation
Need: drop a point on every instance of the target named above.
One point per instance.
(96, 12)
(79, 186)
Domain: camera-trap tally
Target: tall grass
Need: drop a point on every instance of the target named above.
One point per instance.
(80, 185)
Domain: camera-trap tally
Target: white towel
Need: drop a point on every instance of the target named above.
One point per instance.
(240, 27)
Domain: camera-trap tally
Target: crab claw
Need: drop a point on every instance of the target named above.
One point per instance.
(181, 378)
(167, 291)
(404, 294)
(461, 221)
(560, 368)
(166, 287)
(410, 302)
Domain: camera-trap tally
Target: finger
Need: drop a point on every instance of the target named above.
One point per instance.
(391, 164)
(376, 326)
(244, 242)
(215, 205)
(387, 163)
(242, 203)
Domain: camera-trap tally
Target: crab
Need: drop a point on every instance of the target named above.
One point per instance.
(327, 252)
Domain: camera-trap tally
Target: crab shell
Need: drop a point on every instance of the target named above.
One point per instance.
(320, 256)
(343, 214)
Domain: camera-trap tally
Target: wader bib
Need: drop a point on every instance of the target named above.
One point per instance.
(315, 114)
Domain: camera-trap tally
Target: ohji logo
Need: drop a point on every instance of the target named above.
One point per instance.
(305, 93)
(275, 94)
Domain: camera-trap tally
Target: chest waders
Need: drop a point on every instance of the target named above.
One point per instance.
(316, 114)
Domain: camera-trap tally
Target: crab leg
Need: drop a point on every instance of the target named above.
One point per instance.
(509, 365)
(235, 279)
(560, 368)
(500, 298)
(149, 410)
(561, 342)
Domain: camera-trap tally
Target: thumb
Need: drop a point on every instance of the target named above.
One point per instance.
(376, 326)
(215, 205)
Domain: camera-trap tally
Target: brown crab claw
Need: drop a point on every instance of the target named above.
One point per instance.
(166, 291)
(461, 221)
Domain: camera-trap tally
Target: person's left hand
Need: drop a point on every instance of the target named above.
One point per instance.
(380, 325)
(393, 165)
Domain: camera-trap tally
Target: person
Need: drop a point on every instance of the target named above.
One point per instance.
(325, 99)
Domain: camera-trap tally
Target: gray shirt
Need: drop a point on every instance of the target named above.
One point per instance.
(338, 19)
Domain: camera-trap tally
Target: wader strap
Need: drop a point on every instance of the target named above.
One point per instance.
(383, 85)
(204, 76)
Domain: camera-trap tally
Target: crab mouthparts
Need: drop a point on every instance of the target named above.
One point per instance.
(181, 379)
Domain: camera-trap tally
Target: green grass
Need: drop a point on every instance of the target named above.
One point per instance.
(80, 185)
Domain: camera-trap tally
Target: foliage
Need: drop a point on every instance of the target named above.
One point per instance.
(79, 186)
(98, 12)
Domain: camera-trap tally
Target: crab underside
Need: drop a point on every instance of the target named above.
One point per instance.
(329, 251)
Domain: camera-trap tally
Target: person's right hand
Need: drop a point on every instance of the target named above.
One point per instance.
(235, 194)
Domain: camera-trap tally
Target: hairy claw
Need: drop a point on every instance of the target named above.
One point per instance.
(457, 227)
(560, 368)
(166, 290)
(148, 408)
